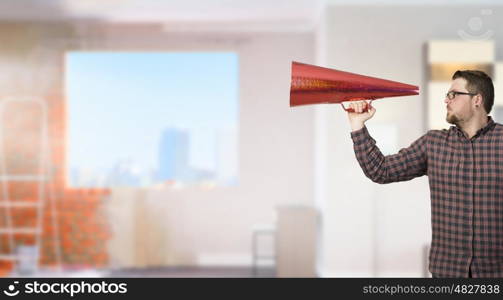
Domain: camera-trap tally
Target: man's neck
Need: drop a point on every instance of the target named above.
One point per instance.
(471, 127)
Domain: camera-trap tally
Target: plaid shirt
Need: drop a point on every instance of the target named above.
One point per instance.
(466, 189)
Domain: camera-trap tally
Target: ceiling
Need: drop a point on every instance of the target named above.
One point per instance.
(229, 15)
(160, 10)
(189, 10)
(175, 15)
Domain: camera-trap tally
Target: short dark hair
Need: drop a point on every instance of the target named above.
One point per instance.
(478, 82)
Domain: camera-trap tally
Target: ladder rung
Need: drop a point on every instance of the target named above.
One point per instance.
(15, 257)
(23, 178)
(25, 230)
(9, 257)
(20, 204)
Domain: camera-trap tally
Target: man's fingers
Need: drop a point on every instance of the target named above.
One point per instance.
(362, 106)
(353, 106)
(359, 106)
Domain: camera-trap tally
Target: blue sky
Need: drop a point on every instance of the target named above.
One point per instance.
(118, 103)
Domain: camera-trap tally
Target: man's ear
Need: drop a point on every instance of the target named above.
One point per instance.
(479, 100)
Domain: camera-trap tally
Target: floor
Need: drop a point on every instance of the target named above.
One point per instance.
(243, 272)
(160, 272)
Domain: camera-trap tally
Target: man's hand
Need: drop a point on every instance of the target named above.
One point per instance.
(358, 118)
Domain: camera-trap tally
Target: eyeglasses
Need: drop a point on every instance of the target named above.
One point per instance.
(452, 94)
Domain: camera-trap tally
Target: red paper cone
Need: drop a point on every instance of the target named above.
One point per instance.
(315, 85)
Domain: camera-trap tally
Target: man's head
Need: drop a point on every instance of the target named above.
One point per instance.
(472, 93)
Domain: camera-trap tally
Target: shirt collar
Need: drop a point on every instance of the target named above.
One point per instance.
(490, 124)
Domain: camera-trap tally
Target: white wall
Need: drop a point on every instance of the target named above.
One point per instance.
(213, 227)
(371, 229)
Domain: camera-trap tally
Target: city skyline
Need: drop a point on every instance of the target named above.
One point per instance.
(127, 172)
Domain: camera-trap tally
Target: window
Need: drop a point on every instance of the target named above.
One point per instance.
(143, 119)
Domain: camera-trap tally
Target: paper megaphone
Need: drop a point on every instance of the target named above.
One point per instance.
(315, 85)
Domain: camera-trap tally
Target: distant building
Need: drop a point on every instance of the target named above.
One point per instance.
(124, 173)
(173, 155)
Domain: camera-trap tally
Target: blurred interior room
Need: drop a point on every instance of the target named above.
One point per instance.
(143, 138)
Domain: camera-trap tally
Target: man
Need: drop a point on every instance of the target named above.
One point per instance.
(464, 165)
